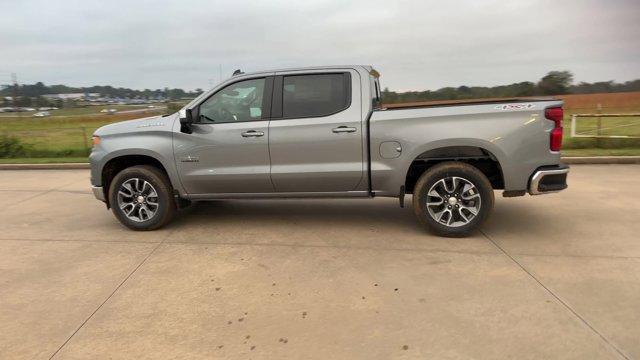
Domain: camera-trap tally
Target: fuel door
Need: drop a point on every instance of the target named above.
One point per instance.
(390, 149)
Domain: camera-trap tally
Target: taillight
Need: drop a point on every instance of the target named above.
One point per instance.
(555, 114)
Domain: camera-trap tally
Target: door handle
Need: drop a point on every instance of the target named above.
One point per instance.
(343, 129)
(252, 133)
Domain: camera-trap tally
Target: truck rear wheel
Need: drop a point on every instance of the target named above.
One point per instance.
(141, 198)
(453, 199)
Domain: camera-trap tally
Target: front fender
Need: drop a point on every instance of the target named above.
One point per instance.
(158, 146)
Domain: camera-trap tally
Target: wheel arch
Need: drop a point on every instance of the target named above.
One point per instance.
(485, 158)
(120, 162)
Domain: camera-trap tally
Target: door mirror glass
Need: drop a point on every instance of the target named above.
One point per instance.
(186, 120)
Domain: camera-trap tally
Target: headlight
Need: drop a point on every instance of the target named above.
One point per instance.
(95, 140)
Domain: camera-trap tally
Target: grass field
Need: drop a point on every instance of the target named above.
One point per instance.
(68, 135)
(612, 103)
(44, 160)
(633, 151)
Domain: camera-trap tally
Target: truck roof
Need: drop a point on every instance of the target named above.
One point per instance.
(324, 67)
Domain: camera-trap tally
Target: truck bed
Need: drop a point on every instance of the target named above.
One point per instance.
(513, 131)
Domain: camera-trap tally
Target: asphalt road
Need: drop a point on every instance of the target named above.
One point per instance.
(555, 276)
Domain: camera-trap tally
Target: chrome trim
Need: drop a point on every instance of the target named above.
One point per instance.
(98, 193)
(252, 133)
(279, 195)
(537, 177)
(343, 129)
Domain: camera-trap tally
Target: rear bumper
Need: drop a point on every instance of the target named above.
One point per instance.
(548, 179)
(98, 193)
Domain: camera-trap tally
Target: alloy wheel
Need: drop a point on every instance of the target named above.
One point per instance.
(453, 201)
(138, 199)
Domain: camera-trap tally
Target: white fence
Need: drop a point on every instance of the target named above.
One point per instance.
(597, 132)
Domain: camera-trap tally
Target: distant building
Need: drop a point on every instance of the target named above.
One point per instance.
(72, 96)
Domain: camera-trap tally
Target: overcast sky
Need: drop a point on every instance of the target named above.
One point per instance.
(415, 45)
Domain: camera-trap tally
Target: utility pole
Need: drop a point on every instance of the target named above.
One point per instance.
(14, 81)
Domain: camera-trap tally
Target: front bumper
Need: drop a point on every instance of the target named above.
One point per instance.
(98, 193)
(548, 179)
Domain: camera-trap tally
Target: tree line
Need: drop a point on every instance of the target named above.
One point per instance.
(554, 83)
(38, 89)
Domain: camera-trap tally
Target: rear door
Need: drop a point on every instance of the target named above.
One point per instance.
(315, 132)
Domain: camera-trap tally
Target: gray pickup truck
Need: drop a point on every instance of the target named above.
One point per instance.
(323, 132)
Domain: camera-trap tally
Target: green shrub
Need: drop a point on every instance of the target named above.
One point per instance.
(50, 153)
(12, 147)
(603, 143)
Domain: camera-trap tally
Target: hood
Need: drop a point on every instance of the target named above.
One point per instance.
(154, 123)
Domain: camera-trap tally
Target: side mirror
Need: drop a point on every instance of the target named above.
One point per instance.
(186, 120)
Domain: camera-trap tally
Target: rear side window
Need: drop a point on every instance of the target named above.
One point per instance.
(315, 95)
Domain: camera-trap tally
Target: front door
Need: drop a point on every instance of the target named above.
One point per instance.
(228, 149)
(315, 133)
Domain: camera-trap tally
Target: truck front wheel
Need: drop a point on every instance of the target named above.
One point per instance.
(141, 198)
(453, 199)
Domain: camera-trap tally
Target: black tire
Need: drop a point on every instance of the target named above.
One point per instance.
(166, 206)
(456, 208)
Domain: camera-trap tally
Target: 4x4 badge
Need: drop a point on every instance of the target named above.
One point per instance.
(515, 106)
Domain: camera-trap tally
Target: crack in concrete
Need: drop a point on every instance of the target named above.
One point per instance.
(107, 299)
(557, 297)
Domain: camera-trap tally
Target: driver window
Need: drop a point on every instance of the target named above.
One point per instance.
(241, 101)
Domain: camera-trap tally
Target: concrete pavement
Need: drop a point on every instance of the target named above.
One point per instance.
(554, 276)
